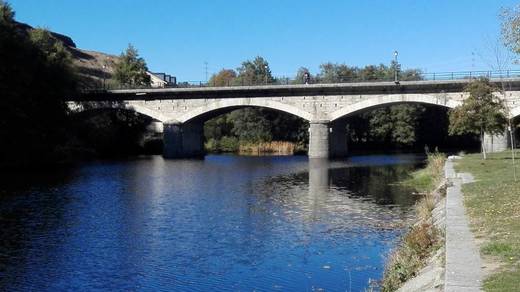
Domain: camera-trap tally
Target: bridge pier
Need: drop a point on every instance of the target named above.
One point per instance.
(497, 143)
(318, 139)
(183, 140)
(338, 139)
(327, 139)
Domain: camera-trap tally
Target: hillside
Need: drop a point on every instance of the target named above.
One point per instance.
(93, 67)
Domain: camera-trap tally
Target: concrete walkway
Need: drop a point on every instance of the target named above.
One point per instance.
(463, 263)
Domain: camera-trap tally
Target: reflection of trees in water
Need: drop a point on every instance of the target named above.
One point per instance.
(377, 183)
(340, 198)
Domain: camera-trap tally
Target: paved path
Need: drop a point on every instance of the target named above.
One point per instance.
(463, 263)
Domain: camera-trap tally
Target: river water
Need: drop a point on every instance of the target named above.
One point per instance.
(225, 223)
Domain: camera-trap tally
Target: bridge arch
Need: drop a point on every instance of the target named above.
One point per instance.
(382, 100)
(83, 107)
(243, 102)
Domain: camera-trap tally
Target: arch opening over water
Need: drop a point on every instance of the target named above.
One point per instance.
(388, 100)
(219, 107)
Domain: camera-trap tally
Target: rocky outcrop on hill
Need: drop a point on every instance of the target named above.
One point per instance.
(67, 41)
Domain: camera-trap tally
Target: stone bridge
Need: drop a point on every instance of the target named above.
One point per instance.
(183, 111)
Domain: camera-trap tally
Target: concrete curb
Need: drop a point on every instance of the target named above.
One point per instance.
(463, 262)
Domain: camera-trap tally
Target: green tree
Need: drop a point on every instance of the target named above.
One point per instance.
(482, 112)
(286, 127)
(396, 124)
(251, 126)
(58, 61)
(336, 73)
(36, 76)
(131, 69)
(6, 15)
(218, 127)
(373, 72)
(225, 77)
(256, 72)
(53, 50)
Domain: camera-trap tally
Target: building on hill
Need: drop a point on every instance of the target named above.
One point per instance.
(161, 80)
(156, 81)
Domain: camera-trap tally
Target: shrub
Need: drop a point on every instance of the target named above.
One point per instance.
(425, 207)
(211, 145)
(228, 144)
(417, 245)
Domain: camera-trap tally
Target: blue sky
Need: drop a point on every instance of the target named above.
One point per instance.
(177, 37)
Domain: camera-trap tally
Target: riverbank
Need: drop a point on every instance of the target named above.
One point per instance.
(493, 205)
(418, 262)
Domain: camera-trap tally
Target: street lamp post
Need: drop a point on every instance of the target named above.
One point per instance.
(265, 72)
(396, 68)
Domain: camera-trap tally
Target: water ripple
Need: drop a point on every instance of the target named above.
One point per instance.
(225, 223)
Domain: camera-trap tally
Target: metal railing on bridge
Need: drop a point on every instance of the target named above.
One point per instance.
(416, 76)
(470, 75)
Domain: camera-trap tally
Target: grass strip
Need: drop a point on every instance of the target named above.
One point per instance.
(493, 205)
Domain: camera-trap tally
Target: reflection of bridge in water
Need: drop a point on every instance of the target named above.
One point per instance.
(183, 111)
(340, 191)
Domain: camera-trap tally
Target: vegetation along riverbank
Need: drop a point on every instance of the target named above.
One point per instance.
(493, 205)
(420, 251)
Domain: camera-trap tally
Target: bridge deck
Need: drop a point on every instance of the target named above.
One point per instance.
(428, 86)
